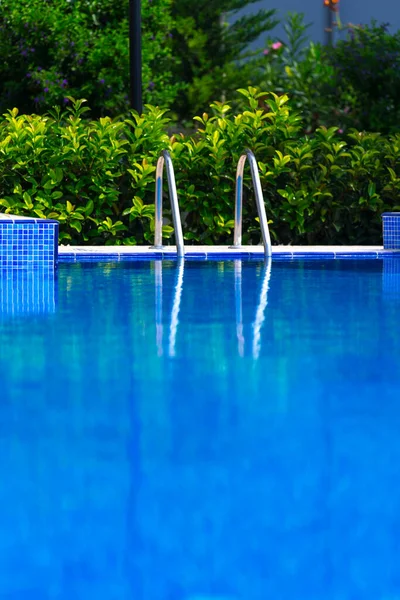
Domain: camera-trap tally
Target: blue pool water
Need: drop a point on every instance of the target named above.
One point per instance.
(207, 431)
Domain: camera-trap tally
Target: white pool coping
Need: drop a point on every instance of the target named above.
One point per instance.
(116, 252)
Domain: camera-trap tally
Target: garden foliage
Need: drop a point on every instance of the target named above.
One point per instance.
(97, 176)
(353, 84)
(192, 53)
(300, 68)
(212, 43)
(366, 67)
(52, 49)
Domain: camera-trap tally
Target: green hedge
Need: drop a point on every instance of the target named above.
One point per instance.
(97, 177)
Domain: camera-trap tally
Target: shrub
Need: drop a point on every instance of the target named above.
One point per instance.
(367, 67)
(213, 49)
(55, 49)
(82, 173)
(301, 69)
(319, 189)
(354, 84)
(97, 177)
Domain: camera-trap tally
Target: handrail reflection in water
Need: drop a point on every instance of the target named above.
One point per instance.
(239, 306)
(158, 267)
(260, 312)
(262, 304)
(159, 306)
(176, 305)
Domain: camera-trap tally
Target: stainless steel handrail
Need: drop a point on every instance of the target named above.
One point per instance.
(237, 238)
(166, 158)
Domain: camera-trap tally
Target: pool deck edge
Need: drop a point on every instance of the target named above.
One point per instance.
(68, 253)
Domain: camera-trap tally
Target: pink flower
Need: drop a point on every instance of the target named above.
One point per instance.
(266, 52)
(276, 45)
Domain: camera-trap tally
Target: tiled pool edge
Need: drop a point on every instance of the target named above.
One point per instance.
(32, 243)
(124, 253)
(391, 230)
(28, 243)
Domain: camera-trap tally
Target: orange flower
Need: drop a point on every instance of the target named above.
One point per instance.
(332, 4)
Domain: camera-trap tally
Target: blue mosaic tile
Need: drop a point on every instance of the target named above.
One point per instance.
(279, 258)
(228, 256)
(258, 258)
(79, 256)
(391, 231)
(352, 257)
(67, 258)
(155, 256)
(195, 255)
(28, 243)
(97, 257)
(282, 255)
(358, 256)
(313, 255)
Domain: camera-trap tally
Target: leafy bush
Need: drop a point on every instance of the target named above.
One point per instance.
(367, 66)
(83, 173)
(97, 177)
(354, 84)
(51, 50)
(320, 189)
(213, 50)
(301, 69)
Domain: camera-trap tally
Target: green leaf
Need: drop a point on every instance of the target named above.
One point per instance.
(77, 225)
(89, 207)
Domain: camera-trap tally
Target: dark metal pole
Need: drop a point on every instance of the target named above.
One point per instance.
(135, 54)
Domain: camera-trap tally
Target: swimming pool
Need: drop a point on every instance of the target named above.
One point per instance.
(201, 430)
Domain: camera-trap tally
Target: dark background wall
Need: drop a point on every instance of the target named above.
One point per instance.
(351, 11)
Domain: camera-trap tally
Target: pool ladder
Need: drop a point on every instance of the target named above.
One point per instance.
(165, 158)
(237, 236)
